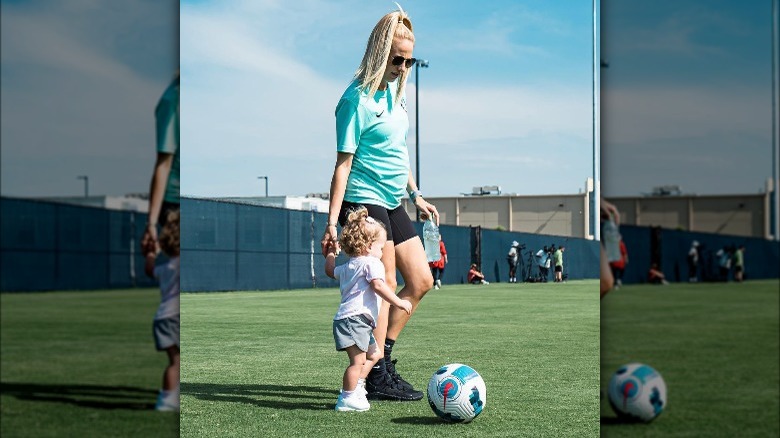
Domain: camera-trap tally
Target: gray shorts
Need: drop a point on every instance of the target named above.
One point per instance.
(166, 332)
(353, 330)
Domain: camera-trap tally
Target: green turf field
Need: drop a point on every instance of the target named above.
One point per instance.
(717, 345)
(81, 364)
(264, 364)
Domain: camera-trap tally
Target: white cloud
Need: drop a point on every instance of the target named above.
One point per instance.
(651, 113)
(71, 105)
(253, 107)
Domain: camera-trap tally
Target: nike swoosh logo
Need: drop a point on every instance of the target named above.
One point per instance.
(382, 112)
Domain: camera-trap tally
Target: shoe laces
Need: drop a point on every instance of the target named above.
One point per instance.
(391, 381)
(391, 370)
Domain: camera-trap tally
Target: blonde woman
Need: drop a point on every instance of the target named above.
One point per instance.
(372, 171)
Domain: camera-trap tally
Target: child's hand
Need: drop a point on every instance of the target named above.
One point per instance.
(331, 248)
(149, 264)
(406, 305)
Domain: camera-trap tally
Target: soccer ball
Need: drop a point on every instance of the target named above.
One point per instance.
(457, 393)
(637, 392)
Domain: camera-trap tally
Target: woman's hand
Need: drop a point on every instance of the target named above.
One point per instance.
(609, 210)
(426, 209)
(329, 240)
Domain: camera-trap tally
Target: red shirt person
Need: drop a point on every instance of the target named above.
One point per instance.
(437, 267)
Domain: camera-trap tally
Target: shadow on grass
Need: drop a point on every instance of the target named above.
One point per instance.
(618, 421)
(87, 396)
(285, 397)
(420, 420)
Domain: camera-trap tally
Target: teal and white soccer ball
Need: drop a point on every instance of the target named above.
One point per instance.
(457, 393)
(637, 392)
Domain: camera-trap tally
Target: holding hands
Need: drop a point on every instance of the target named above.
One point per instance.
(330, 242)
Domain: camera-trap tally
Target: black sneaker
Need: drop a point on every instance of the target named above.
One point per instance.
(382, 387)
(390, 365)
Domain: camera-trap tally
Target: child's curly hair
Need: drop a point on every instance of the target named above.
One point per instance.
(359, 232)
(169, 235)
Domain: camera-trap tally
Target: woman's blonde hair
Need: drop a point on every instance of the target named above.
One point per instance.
(359, 232)
(372, 67)
(169, 235)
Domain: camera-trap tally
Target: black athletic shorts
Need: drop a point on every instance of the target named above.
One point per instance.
(559, 269)
(397, 223)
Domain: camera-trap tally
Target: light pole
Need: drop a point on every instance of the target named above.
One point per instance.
(775, 135)
(266, 184)
(596, 124)
(86, 184)
(421, 63)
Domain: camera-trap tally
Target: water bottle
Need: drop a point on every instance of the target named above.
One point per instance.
(611, 238)
(431, 240)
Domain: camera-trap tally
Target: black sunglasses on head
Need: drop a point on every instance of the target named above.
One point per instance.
(397, 60)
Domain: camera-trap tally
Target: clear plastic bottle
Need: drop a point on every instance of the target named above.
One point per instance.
(611, 238)
(431, 240)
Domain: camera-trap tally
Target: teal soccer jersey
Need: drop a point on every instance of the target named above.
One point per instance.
(374, 131)
(167, 121)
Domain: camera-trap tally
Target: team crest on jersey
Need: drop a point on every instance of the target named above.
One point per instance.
(403, 104)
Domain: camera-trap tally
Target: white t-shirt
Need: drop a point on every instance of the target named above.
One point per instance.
(357, 296)
(168, 276)
(542, 259)
(694, 254)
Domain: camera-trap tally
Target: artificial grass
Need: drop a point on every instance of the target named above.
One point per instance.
(717, 346)
(264, 364)
(81, 364)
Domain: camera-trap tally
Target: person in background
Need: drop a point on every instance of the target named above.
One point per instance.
(607, 279)
(655, 276)
(739, 263)
(558, 257)
(512, 258)
(619, 266)
(475, 276)
(543, 258)
(693, 262)
(437, 267)
(724, 262)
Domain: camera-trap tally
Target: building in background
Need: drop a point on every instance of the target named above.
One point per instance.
(737, 215)
(138, 202)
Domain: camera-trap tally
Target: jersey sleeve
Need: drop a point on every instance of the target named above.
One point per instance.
(166, 116)
(375, 270)
(348, 127)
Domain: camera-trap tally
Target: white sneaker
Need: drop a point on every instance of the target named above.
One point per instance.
(356, 401)
(438, 284)
(361, 388)
(167, 402)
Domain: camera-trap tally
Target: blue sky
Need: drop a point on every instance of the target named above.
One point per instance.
(687, 96)
(80, 80)
(506, 100)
